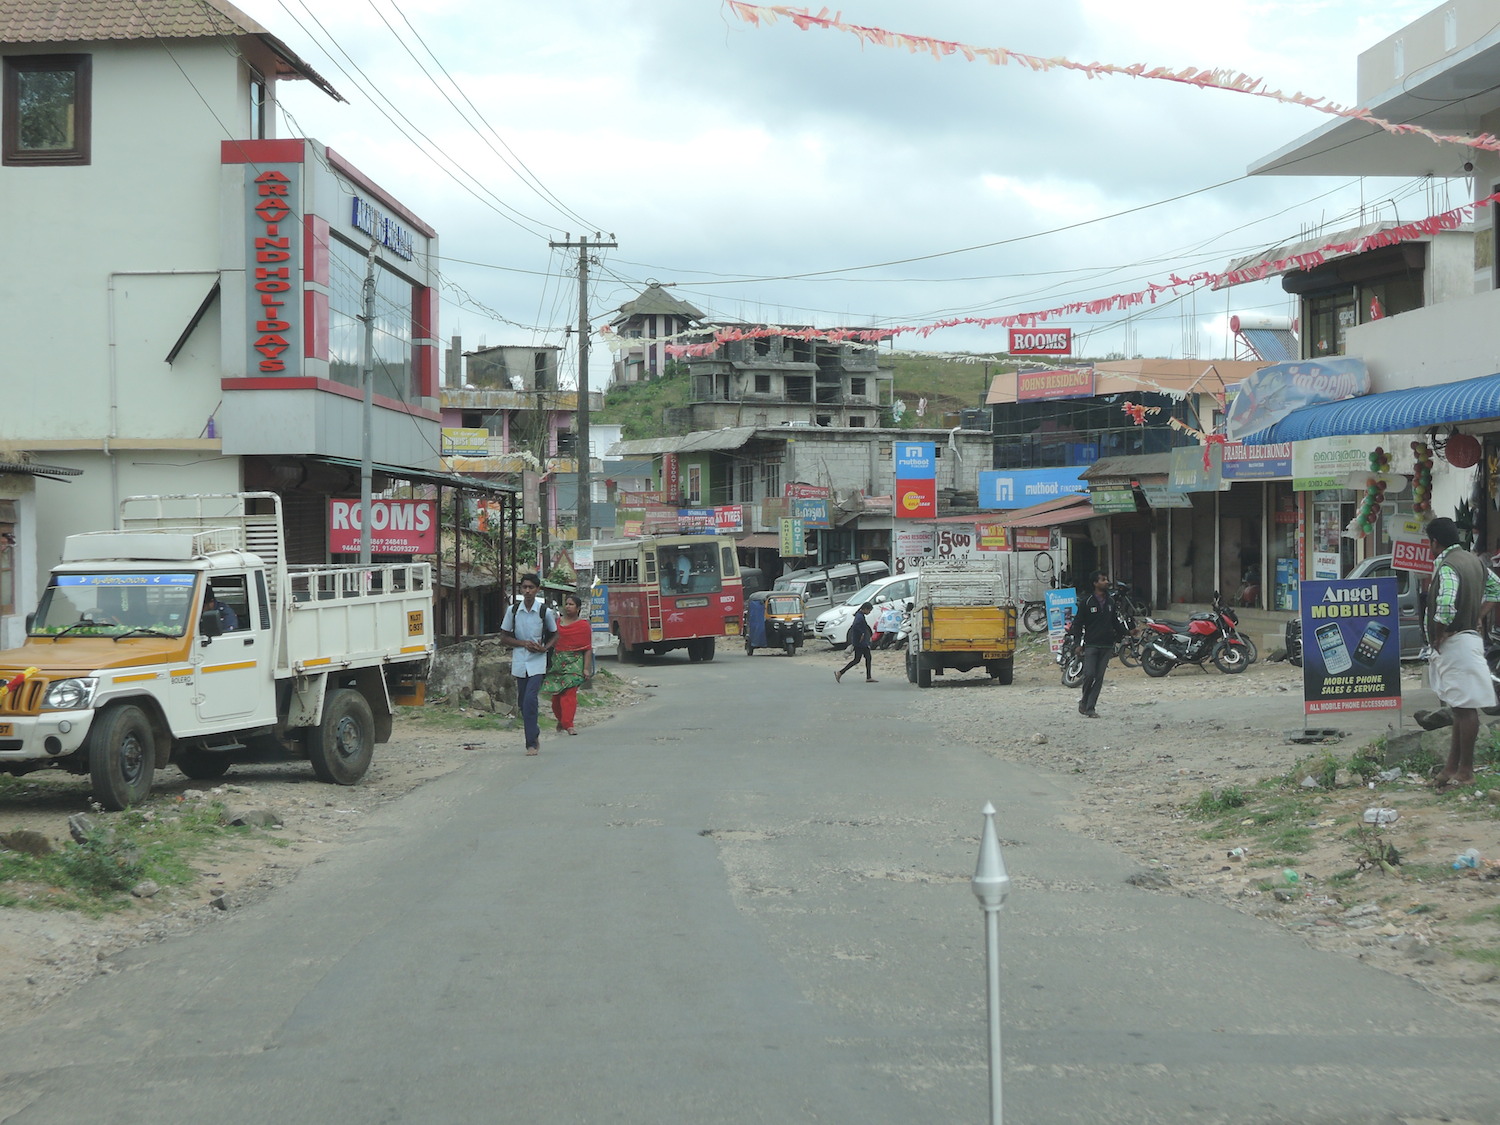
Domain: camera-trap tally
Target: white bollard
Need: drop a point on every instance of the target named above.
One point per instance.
(991, 886)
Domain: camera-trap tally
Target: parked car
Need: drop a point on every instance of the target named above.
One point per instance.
(823, 587)
(1408, 608)
(833, 625)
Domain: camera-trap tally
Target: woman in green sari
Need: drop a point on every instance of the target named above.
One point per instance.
(572, 662)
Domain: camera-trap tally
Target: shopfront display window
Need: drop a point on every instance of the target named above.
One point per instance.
(393, 323)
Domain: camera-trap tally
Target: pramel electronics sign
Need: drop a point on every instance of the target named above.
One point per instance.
(273, 265)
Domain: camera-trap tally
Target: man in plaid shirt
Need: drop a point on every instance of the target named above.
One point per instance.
(1461, 585)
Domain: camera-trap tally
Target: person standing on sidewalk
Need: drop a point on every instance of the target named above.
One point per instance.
(859, 641)
(572, 662)
(1457, 672)
(1099, 626)
(530, 629)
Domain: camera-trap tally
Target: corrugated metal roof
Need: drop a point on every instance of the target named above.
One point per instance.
(1133, 465)
(89, 21)
(1413, 408)
(700, 441)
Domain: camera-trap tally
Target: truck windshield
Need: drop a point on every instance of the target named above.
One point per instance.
(108, 604)
(691, 568)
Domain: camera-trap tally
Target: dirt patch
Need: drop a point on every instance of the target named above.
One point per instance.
(1161, 745)
(46, 953)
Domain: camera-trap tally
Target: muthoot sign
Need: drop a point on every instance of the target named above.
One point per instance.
(397, 527)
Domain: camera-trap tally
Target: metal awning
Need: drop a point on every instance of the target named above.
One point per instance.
(1051, 513)
(1409, 409)
(425, 476)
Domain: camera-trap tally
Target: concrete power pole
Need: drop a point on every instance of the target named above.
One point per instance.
(581, 450)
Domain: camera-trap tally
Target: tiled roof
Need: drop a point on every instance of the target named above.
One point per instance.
(655, 299)
(89, 21)
(82, 21)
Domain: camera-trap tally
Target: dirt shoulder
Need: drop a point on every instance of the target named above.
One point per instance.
(1166, 762)
(44, 953)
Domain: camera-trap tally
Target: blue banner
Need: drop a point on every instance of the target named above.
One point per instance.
(1257, 462)
(916, 460)
(813, 513)
(1021, 488)
(1351, 645)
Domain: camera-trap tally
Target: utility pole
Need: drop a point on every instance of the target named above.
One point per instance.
(581, 445)
(367, 381)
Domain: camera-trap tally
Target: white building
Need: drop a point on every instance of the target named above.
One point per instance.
(183, 308)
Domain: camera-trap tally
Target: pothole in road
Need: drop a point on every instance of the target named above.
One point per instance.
(737, 835)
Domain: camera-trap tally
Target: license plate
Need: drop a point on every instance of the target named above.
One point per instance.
(994, 656)
(5, 730)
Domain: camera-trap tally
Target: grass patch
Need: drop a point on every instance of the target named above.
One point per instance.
(1488, 914)
(1487, 956)
(117, 853)
(1214, 802)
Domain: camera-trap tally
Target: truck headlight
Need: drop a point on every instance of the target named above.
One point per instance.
(70, 695)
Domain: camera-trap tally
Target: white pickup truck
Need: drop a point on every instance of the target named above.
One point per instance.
(126, 670)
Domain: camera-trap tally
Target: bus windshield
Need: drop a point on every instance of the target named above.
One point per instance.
(109, 605)
(689, 568)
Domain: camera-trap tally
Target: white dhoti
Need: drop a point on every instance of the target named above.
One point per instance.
(1459, 674)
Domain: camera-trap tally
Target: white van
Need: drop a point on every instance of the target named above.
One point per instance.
(833, 624)
(822, 587)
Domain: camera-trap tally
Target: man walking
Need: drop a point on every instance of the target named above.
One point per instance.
(859, 641)
(1461, 585)
(530, 629)
(1099, 626)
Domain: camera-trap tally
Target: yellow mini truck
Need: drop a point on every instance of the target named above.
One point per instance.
(960, 622)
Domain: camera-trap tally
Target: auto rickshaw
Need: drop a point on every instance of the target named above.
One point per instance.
(773, 619)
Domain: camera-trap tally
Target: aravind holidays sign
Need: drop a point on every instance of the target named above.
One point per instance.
(1351, 645)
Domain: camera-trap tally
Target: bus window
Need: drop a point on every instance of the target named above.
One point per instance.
(727, 561)
(688, 568)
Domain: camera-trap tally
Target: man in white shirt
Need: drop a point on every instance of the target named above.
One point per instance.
(530, 629)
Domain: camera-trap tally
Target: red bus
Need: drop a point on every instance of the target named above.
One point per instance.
(668, 591)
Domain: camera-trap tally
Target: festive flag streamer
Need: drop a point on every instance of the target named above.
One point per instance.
(1138, 411)
(1406, 232)
(1232, 81)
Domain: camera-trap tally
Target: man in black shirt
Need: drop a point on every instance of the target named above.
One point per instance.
(1100, 627)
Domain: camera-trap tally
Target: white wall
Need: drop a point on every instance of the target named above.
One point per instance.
(1454, 340)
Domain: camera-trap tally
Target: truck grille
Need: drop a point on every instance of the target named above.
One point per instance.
(27, 700)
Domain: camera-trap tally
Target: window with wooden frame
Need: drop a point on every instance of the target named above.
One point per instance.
(45, 119)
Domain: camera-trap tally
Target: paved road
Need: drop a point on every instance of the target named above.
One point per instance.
(744, 901)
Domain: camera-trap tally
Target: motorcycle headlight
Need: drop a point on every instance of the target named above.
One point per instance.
(70, 695)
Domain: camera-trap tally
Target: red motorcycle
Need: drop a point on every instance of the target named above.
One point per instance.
(1214, 635)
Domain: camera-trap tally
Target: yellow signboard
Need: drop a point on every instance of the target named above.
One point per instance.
(459, 442)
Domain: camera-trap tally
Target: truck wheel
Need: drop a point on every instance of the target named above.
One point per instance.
(911, 668)
(340, 747)
(924, 674)
(122, 757)
(201, 765)
(1003, 671)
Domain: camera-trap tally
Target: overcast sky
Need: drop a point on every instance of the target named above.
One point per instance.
(724, 157)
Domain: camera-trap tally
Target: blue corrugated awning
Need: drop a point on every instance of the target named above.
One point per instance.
(1389, 412)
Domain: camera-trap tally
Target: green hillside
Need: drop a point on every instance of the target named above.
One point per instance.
(948, 386)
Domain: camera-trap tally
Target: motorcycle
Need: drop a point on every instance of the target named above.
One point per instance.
(1070, 659)
(1206, 636)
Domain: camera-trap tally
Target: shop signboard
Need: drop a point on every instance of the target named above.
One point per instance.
(990, 537)
(1325, 564)
(1021, 488)
(1351, 646)
(1257, 462)
(1039, 386)
(793, 539)
(1191, 472)
(797, 490)
(1112, 501)
(1278, 389)
(916, 480)
(1161, 496)
(811, 511)
(1041, 341)
(1412, 556)
(465, 442)
(1031, 539)
(397, 527)
(1062, 607)
(1327, 462)
(915, 542)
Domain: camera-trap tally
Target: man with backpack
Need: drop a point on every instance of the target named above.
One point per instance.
(530, 629)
